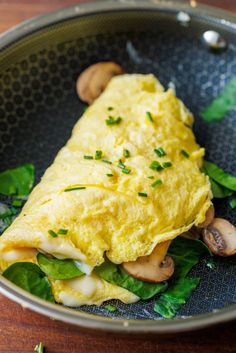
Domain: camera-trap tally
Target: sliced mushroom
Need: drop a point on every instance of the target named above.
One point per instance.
(210, 214)
(220, 237)
(155, 268)
(92, 81)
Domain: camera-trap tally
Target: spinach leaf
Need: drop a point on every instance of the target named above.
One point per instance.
(219, 191)
(58, 269)
(7, 216)
(29, 277)
(217, 174)
(186, 253)
(116, 275)
(222, 104)
(17, 181)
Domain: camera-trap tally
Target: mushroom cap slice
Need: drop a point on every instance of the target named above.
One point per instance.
(93, 80)
(210, 214)
(154, 268)
(220, 237)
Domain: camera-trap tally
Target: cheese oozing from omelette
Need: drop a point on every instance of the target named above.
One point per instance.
(108, 217)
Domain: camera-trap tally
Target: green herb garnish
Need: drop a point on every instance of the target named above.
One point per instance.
(98, 155)
(76, 188)
(122, 166)
(184, 153)
(113, 121)
(39, 348)
(62, 231)
(160, 152)
(149, 116)
(142, 194)
(167, 164)
(17, 203)
(156, 183)
(106, 161)
(232, 203)
(151, 177)
(52, 233)
(88, 157)
(111, 308)
(126, 171)
(110, 108)
(110, 175)
(126, 153)
(155, 165)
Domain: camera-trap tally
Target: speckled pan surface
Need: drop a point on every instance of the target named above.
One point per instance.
(39, 63)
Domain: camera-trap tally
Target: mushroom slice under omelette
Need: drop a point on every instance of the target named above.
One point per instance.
(127, 180)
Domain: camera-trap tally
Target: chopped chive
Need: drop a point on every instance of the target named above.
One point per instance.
(126, 153)
(167, 164)
(155, 165)
(39, 348)
(110, 175)
(149, 116)
(113, 121)
(52, 233)
(106, 161)
(62, 231)
(121, 165)
(156, 183)
(151, 177)
(110, 108)
(88, 157)
(142, 194)
(111, 308)
(160, 152)
(184, 153)
(232, 203)
(77, 188)
(98, 154)
(17, 203)
(126, 171)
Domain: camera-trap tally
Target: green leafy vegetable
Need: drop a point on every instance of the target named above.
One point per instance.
(232, 203)
(30, 277)
(219, 191)
(17, 181)
(116, 275)
(17, 203)
(58, 269)
(222, 104)
(217, 174)
(39, 348)
(186, 253)
(111, 308)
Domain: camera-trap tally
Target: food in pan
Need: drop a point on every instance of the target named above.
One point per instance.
(121, 209)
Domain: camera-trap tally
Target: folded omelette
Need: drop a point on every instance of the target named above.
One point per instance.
(108, 203)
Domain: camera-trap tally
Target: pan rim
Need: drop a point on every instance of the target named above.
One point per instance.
(80, 318)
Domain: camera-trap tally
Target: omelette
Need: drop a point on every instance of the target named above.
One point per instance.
(127, 180)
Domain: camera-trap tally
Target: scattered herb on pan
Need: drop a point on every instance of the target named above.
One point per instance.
(75, 188)
(113, 121)
(232, 203)
(160, 152)
(186, 253)
(39, 348)
(29, 276)
(222, 104)
(58, 269)
(115, 274)
(149, 116)
(17, 181)
(110, 307)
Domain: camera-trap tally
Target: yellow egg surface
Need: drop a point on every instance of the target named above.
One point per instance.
(109, 215)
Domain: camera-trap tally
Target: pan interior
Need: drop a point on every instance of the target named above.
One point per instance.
(39, 106)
